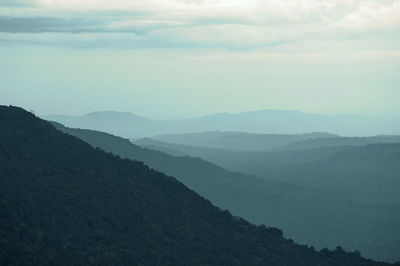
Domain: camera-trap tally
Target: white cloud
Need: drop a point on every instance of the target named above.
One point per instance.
(230, 22)
(371, 15)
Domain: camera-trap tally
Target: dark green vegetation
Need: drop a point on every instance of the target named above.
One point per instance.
(353, 193)
(63, 202)
(315, 216)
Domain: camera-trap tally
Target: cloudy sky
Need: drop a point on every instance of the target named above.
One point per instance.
(180, 58)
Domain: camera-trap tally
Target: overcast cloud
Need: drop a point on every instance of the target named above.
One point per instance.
(174, 58)
(251, 23)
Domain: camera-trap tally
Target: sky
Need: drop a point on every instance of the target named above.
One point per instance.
(170, 59)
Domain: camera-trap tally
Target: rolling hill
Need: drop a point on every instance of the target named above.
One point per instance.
(318, 217)
(352, 167)
(340, 141)
(262, 121)
(66, 203)
(240, 141)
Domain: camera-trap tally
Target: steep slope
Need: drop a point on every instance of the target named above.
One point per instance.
(318, 217)
(120, 123)
(366, 177)
(65, 203)
(229, 190)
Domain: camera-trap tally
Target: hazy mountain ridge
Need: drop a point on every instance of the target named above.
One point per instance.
(283, 164)
(243, 141)
(122, 123)
(262, 121)
(342, 141)
(241, 160)
(65, 203)
(305, 214)
(239, 141)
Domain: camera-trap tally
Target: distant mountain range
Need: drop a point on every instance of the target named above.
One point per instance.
(263, 121)
(357, 163)
(340, 141)
(62, 202)
(315, 216)
(363, 173)
(240, 141)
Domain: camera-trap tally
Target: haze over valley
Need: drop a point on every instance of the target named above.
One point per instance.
(200, 132)
(263, 121)
(303, 191)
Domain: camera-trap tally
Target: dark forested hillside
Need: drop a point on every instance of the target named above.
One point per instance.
(66, 203)
(318, 217)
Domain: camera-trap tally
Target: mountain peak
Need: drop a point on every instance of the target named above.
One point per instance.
(64, 202)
